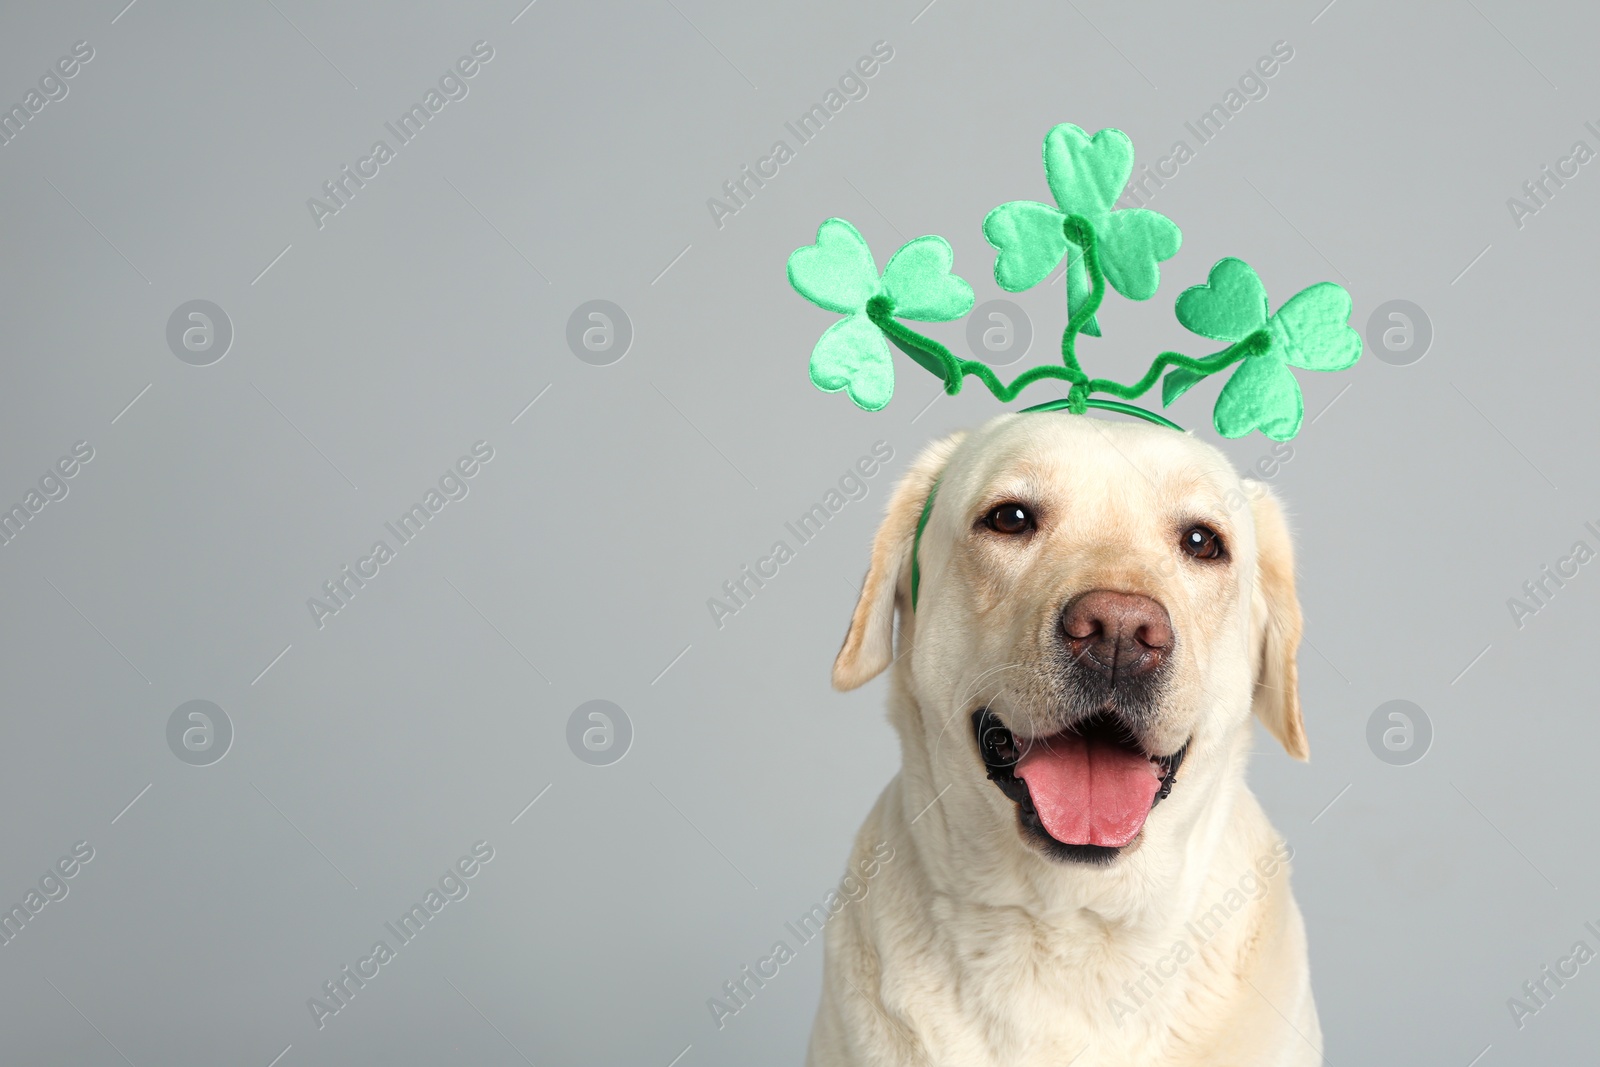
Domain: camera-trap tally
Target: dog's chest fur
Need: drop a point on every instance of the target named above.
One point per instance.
(934, 978)
(1073, 989)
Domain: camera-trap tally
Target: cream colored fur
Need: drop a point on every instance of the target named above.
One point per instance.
(974, 949)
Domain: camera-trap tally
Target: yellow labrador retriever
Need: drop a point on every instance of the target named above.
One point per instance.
(1081, 875)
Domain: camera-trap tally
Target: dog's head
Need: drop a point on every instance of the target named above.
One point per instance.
(1097, 603)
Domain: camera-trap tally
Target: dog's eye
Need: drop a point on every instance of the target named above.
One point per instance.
(1202, 542)
(1009, 519)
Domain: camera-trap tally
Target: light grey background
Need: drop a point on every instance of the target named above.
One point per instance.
(369, 354)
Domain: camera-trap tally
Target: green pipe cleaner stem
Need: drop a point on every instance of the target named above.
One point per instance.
(939, 360)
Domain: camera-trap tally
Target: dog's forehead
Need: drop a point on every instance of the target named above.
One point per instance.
(1058, 451)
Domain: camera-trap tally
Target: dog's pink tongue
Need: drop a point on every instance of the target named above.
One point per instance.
(1089, 792)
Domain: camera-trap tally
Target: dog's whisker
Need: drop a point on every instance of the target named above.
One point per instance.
(962, 703)
(973, 685)
(940, 739)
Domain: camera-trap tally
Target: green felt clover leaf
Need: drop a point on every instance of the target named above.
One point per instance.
(919, 281)
(1314, 330)
(1230, 306)
(1263, 395)
(1086, 175)
(852, 355)
(1133, 242)
(1030, 241)
(1310, 331)
(838, 273)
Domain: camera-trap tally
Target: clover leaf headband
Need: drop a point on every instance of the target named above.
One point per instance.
(1101, 245)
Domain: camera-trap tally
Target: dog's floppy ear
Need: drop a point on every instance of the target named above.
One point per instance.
(1276, 623)
(869, 644)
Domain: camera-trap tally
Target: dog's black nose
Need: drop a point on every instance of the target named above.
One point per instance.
(1123, 635)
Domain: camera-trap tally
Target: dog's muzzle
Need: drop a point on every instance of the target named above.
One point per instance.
(1082, 794)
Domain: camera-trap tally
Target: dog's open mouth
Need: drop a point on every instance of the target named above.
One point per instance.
(1088, 789)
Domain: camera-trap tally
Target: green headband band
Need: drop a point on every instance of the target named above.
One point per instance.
(1100, 244)
(916, 543)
